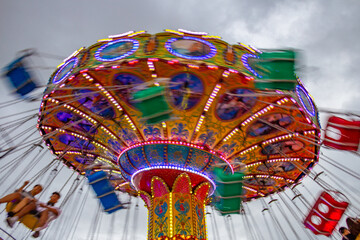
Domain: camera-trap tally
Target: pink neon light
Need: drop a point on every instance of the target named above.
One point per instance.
(176, 143)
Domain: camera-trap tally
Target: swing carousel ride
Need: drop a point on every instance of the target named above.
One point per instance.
(184, 120)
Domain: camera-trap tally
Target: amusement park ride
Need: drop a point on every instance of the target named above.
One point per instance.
(184, 120)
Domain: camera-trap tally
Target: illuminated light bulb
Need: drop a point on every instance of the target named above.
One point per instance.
(192, 32)
(197, 128)
(226, 73)
(247, 47)
(174, 31)
(212, 67)
(193, 66)
(104, 40)
(212, 96)
(121, 35)
(233, 70)
(136, 33)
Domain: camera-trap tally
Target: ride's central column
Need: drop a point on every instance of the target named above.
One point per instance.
(175, 179)
(176, 211)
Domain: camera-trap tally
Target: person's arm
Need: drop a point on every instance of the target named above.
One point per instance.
(53, 210)
(22, 187)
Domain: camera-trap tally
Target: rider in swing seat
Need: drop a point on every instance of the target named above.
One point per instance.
(21, 197)
(44, 212)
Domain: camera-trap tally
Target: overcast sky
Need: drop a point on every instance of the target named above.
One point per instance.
(326, 31)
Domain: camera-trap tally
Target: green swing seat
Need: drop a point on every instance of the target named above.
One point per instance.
(228, 191)
(152, 104)
(277, 70)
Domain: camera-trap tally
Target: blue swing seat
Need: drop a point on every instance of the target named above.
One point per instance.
(19, 77)
(105, 192)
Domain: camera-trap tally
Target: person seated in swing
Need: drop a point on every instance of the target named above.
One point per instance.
(21, 197)
(44, 212)
(346, 234)
(353, 225)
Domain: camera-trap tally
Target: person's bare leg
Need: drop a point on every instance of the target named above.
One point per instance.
(18, 215)
(42, 221)
(21, 204)
(10, 197)
(43, 218)
(26, 210)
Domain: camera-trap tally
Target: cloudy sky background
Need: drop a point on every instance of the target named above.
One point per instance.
(325, 31)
